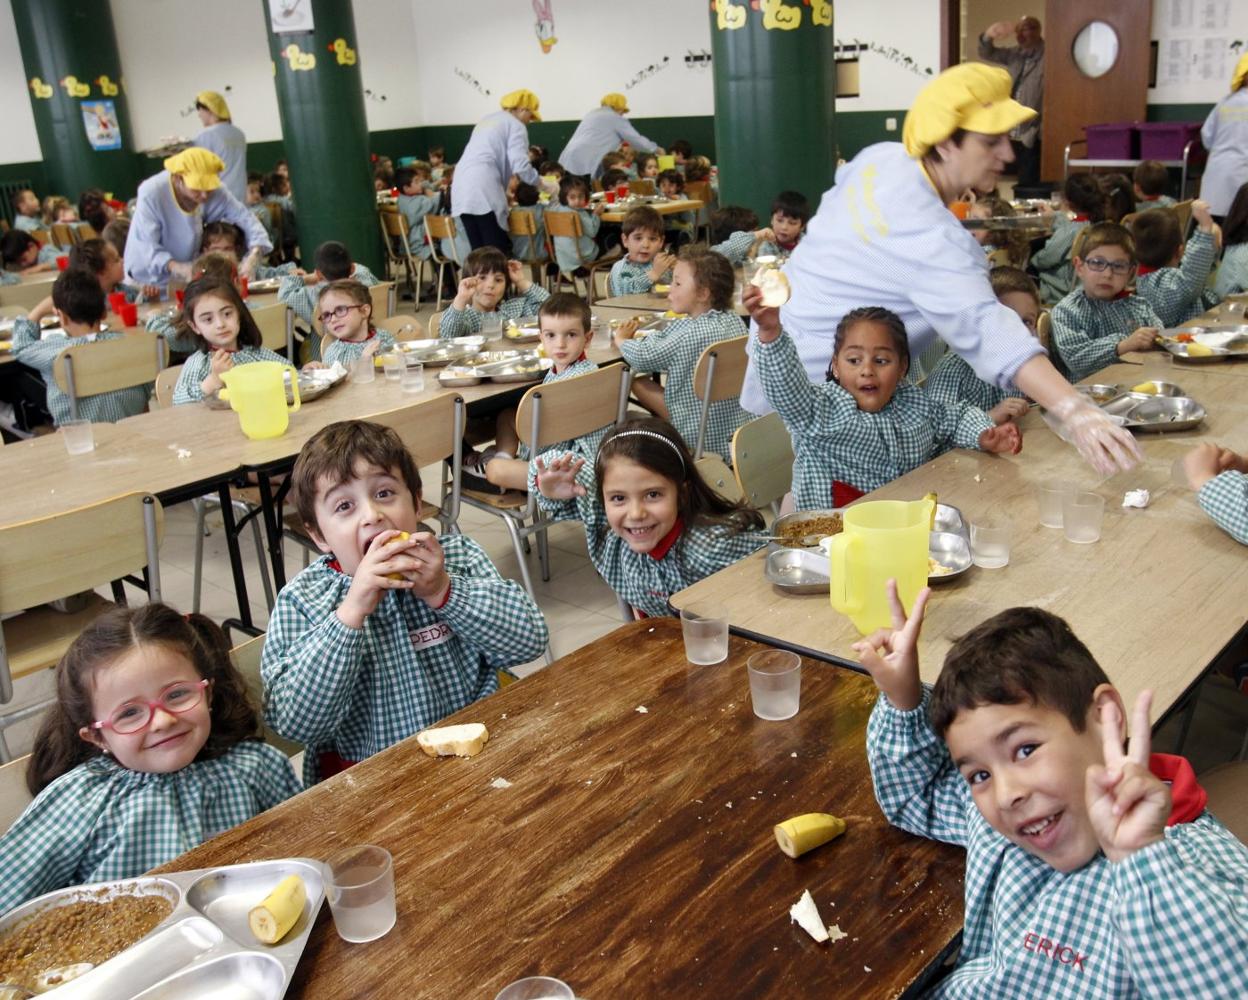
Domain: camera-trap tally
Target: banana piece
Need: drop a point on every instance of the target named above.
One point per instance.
(402, 537)
(1195, 350)
(932, 497)
(272, 920)
(1148, 388)
(800, 834)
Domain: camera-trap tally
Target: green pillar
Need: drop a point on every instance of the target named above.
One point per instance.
(73, 74)
(321, 99)
(775, 94)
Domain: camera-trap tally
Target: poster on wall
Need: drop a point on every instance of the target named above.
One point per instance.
(99, 118)
(290, 16)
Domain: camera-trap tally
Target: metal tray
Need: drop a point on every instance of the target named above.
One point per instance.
(952, 550)
(457, 376)
(519, 370)
(264, 285)
(948, 520)
(524, 330)
(309, 390)
(797, 571)
(433, 353)
(1224, 340)
(1156, 413)
(1099, 392)
(203, 948)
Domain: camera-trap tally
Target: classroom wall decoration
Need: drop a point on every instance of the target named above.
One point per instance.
(290, 16)
(99, 118)
(343, 53)
(545, 26)
(1198, 43)
(41, 90)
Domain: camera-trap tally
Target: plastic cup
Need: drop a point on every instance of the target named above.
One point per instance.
(705, 628)
(492, 326)
(363, 369)
(116, 300)
(243, 288)
(1049, 496)
(621, 191)
(1082, 516)
(990, 542)
(413, 377)
(62, 262)
(775, 684)
(129, 313)
(536, 988)
(79, 437)
(609, 197)
(392, 366)
(359, 883)
(180, 295)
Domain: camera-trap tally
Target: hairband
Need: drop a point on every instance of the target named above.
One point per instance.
(658, 437)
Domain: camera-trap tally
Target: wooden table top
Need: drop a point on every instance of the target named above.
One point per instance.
(1156, 599)
(633, 854)
(614, 214)
(649, 300)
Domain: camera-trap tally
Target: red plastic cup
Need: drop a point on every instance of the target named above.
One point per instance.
(129, 314)
(180, 295)
(242, 287)
(116, 300)
(622, 191)
(394, 192)
(609, 197)
(62, 262)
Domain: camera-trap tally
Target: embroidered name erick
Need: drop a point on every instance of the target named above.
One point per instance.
(1062, 953)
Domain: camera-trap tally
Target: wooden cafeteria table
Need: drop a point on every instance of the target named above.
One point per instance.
(616, 214)
(1156, 599)
(632, 855)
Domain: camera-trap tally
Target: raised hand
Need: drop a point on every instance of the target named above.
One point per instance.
(1127, 804)
(766, 317)
(463, 295)
(891, 656)
(557, 481)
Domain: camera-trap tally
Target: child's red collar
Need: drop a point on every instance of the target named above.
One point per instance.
(667, 541)
(1080, 218)
(1143, 269)
(1187, 798)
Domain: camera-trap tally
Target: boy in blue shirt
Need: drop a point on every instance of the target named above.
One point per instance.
(417, 198)
(644, 262)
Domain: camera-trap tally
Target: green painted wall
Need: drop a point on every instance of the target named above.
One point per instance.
(1178, 112)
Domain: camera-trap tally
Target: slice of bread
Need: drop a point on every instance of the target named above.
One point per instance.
(466, 740)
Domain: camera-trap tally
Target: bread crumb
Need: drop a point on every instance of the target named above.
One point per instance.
(728, 805)
(978, 479)
(184, 453)
(866, 968)
(793, 754)
(500, 783)
(643, 710)
(835, 933)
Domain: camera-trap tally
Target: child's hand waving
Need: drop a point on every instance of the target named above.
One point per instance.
(557, 481)
(767, 318)
(1127, 804)
(891, 656)
(518, 274)
(463, 295)
(663, 263)
(1003, 439)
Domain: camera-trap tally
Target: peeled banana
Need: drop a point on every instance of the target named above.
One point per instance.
(272, 919)
(1147, 388)
(800, 834)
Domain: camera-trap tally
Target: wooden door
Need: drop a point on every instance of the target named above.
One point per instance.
(1072, 99)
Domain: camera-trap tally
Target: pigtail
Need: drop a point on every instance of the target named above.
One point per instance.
(58, 747)
(234, 714)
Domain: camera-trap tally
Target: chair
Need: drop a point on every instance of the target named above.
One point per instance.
(383, 295)
(51, 557)
(107, 365)
(27, 295)
(1227, 788)
(166, 382)
(277, 216)
(438, 228)
(523, 223)
(1183, 210)
(396, 236)
(762, 460)
(641, 185)
(246, 658)
(1044, 329)
(435, 323)
(14, 795)
(44, 236)
(403, 326)
(719, 375)
(703, 192)
(277, 329)
(716, 474)
(567, 225)
(64, 235)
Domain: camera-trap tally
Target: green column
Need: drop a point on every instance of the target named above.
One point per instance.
(73, 72)
(775, 93)
(320, 95)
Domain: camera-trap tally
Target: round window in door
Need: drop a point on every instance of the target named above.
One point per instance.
(1096, 49)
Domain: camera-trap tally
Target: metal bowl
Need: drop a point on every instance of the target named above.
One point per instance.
(457, 376)
(264, 285)
(800, 517)
(952, 551)
(797, 571)
(1156, 413)
(1159, 389)
(1099, 392)
(949, 519)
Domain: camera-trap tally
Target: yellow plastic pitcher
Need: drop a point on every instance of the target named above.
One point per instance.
(257, 393)
(881, 539)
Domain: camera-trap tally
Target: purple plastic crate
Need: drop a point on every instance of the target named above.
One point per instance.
(1165, 140)
(1112, 141)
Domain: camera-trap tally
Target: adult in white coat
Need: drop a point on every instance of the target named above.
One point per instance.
(1225, 135)
(884, 236)
(599, 132)
(225, 139)
(497, 149)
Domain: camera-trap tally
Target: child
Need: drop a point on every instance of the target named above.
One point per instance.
(866, 425)
(645, 263)
(1150, 180)
(26, 212)
(732, 219)
(152, 747)
(437, 162)
(702, 287)
(1051, 262)
(652, 525)
(417, 198)
(276, 191)
(1119, 195)
(383, 635)
(1097, 323)
(80, 304)
(612, 179)
(953, 381)
(346, 313)
(102, 259)
(22, 254)
(255, 202)
(574, 197)
(681, 151)
(483, 291)
(333, 263)
(1003, 247)
(95, 209)
(1232, 277)
(567, 329)
(647, 166)
(58, 210)
(1171, 277)
(115, 234)
(1220, 478)
(1089, 871)
(679, 226)
(790, 211)
(614, 160)
(224, 333)
(226, 238)
(524, 248)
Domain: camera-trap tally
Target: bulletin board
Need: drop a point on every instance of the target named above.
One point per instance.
(1198, 43)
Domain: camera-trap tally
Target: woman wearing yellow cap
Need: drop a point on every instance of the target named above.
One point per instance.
(1225, 135)
(884, 236)
(497, 149)
(225, 139)
(599, 132)
(169, 216)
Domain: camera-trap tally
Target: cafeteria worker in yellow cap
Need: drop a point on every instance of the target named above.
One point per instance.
(884, 236)
(1225, 135)
(225, 139)
(599, 132)
(169, 215)
(497, 149)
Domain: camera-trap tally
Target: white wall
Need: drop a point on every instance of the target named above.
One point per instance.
(902, 39)
(1199, 44)
(17, 121)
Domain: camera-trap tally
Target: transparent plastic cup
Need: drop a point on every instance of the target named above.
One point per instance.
(705, 628)
(413, 376)
(1083, 515)
(1049, 496)
(359, 883)
(392, 366)
(536, 988)
(775, 684)
(78, 435)
(990, 542)
(363, 369)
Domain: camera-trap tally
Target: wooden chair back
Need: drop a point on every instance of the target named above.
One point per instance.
(166, 382)
(521, 222)
(567, 409)
(64, 235)
(1044, 329)
(438, 228)
(433, 430)
(246, 657)
(86, 231)
(14, 795)
(1183, 210)
(44, 236)
(26, 295)
(762, 459)
(383, 296)
(395, 235)
(435, 323)
(700, 191)
(716, 474)
(724, 378)
(402, 326)
(641, 185)
(564, 224)
(277, 328)
(107, 365)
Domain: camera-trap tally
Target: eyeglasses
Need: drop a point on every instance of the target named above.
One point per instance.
(1099, 264)
(135, 716)
(338, 312)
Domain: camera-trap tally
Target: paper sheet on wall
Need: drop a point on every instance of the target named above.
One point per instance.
(1199, 42)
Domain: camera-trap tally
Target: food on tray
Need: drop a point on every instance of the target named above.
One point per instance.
(662, 289)
(87, 932)
(277, 914)
(1195, 350)
(794, 533)
(806, 914)
(1185, 338)
(935, 568)
(47, 981)
(465, 740)
(1148, 388)
(800, 834)
(773, 284)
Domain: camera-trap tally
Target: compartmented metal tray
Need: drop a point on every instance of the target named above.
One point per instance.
(797, 571)
(950, 550)
(264, 285)
(1100, 392)
(1221, 340)
(1143, 412)
(204, 947)
(497, 366)
(524, 330)
(433, 353)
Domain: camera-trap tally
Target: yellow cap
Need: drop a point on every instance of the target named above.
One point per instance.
(214, 102)
(525, 100)
(616, 102)
(971, 96)
(1240, 76)
(200, 168)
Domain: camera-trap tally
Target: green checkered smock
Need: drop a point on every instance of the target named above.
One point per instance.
(737, 247)
(102, 408)
(1161, 201)
(266, 272)
(834, 440)
(197, 367)
(1167, 921)
(643, 581)
(357, 691)
(302, 298)
(162, 323)
(1178, 293)
(345, 353)
(1225, 499)
(1232, 277)
(1052, 261)
(676, 350)
(954, 381)
(586, 444)
(464, 322)
(627, 277)
(100, 821)
(1086, 331)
